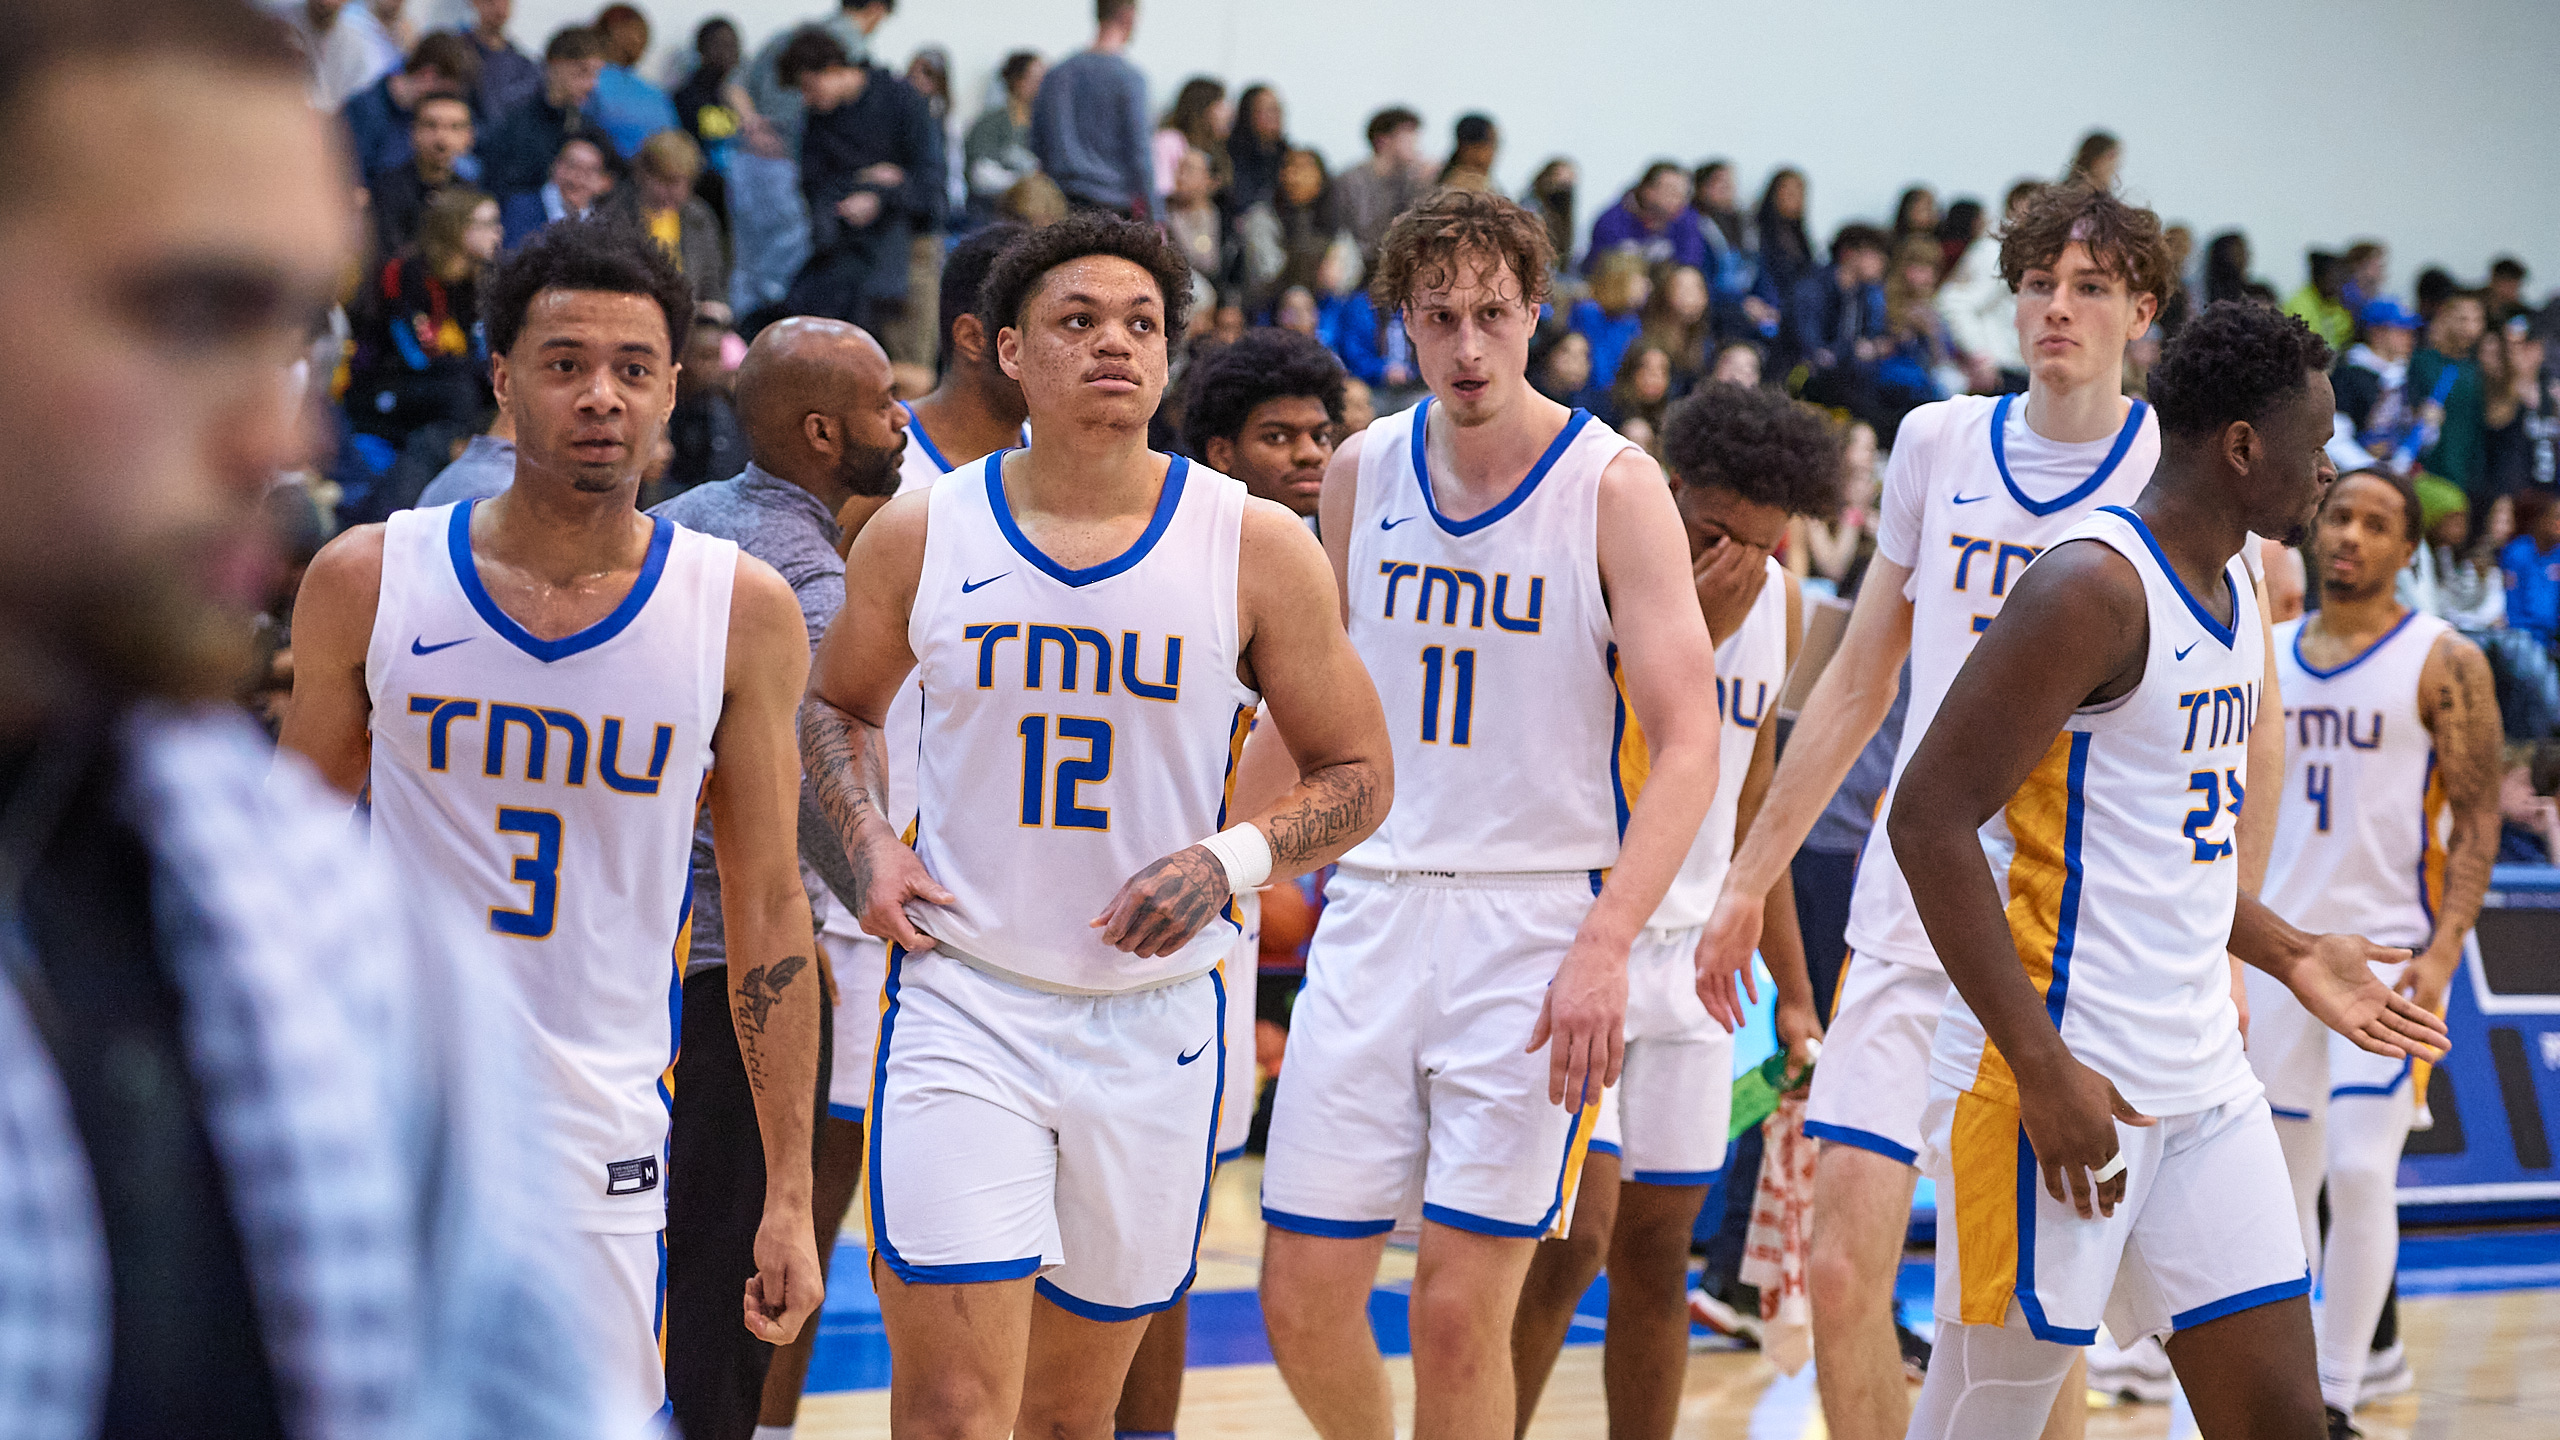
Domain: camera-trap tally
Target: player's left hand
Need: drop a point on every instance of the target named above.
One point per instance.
(2430, 976)
(1585, 1014)
(787, 1287)
(1728, 580)
(2336, 983)
(1163, 906)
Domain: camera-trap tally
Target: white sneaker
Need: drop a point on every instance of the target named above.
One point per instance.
(1707, 1310)
(2386, 1372)
(2138, 1372)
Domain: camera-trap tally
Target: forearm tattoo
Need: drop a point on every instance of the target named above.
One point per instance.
(1333, 809)
(845, 770)
(759, 991)
(2468, 735)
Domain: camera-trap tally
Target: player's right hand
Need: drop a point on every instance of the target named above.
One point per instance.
(2336, 983)
(1585, 1015)
(1725, 948)
(887, 875)
(1799, 1031)
(2070, 1119)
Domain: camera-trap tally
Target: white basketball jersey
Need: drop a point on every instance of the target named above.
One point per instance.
(1489, 642)
(1078, 725)
(1751, 668)
(2116, 862)
(2361, 828)
(550, 787)
(1971, 526)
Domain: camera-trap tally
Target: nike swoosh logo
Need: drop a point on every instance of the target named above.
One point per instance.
(1969, 499)
(968, 585)
(2190, 646)
(1391, 524)
(420, 647)
(1194, 1055)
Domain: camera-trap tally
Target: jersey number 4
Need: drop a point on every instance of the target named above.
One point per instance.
(1092, 768)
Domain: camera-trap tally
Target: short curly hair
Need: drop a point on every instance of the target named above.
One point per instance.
(1016, 275)
(1263, 365)
(2123, 239)
(2235, 361)
(1422, 247)
(591, 254)
(1759, 444)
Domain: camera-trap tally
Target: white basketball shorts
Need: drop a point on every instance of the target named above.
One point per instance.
(1409, 1068)
(1019, 1132)
(1235, 1116)
(2305, 1064)
(1666, 1118)
(2206, 1229)
(859, 962)
(1873, 1081)
(618, 1286)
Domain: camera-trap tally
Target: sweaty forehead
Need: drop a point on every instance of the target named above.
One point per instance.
(1100, 279)
(596, 320)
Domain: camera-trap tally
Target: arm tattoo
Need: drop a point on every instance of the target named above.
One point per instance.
(2468, 735)
(1335, 807)
(759, 990)
(844, 767)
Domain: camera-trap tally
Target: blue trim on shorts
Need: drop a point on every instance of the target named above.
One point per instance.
(1229, 1157)
(1484, 1225)
(1675, 1177)
(2029, 1175)
(1329, 1229)
(1867, 1140)
(1607, 1147)
(2245, 1300)
(844, 1112)
(2396, 1082)
(1107, 1314)
(2282, 1113)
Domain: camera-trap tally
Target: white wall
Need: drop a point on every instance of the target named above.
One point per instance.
(2429, 125)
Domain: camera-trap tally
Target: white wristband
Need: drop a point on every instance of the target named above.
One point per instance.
(1245, 853)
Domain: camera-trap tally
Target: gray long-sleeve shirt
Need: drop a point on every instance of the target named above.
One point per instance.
(1089, 128)
(787, 528)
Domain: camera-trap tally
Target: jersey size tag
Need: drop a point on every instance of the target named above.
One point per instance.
(631, 1177)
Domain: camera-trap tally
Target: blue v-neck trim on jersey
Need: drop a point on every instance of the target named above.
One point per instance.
(2115, 456)
(2215, 628)
(915, 427)
(1519, 493)
(2361, 656)
(662, 537)
(1167, 501)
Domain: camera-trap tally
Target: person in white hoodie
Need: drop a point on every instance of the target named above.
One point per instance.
(1980, 309)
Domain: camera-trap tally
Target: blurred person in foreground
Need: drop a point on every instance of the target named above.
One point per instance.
(248, 1155)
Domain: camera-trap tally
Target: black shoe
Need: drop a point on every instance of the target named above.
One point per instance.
(1915, 1352)
(2340, 1427)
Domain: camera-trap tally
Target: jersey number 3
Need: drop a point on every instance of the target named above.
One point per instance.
(539, 872)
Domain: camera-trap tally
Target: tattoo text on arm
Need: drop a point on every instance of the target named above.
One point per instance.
(1337, 806)
(759, 990)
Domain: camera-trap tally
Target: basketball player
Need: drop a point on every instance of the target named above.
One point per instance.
(1264, 411)
(539, 690)
(1976, 487)
(2388, 825)
(1092, 625)
(2094, 749)
(1742, 461)
(824, 435)
(1517, 586)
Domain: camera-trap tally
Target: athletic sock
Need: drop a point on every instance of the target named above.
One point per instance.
(776, 1432)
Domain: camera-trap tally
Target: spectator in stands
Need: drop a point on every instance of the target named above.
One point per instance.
(1786, 250)
(1201, 119)
(1915, 213)
(1642, 390)
(2368, 266)
(2446, 389)
(1359, 407)
(1612, 317)
(1550, 198)
(929, 75)
(2505, 292)
(1089, 122)
(378, 117)
(517, 153)
(1832, 554)
(348, 45)
(2098, 160)
(1981, 310)
(1375, 191)
(1192, 218)
(1676, 319)
(709, 442)
(1267, 410)
(996, 155)
(2529, 816)
(2517, 406)
(1835, 321)
(1959, 230)
(1284, 240)
(1652, 219)
(703, 108)
(2226, 268)
(419, 354)
(628, 107)
(1478, 142)
(663, 203)
(1736, 362)
(2532, 564)
(1296, 312)
(1560, 365)
(2321, 302)
(1920, 362)
(583, 174)
(440, 136)
(871, 173)
(2371, 378)
(1255, 150)
(508, 76)
(776, 100)
(1744, 301)
(2451, 578)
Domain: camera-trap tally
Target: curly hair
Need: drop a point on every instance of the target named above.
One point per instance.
(1016, 275)
(1422, 247)
(2123, 239)
(2235, 361)
(592, 254)
(1759, 444)
(1264, 365)
(964, 272)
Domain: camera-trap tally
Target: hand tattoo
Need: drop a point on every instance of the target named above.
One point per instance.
(1173, 898)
